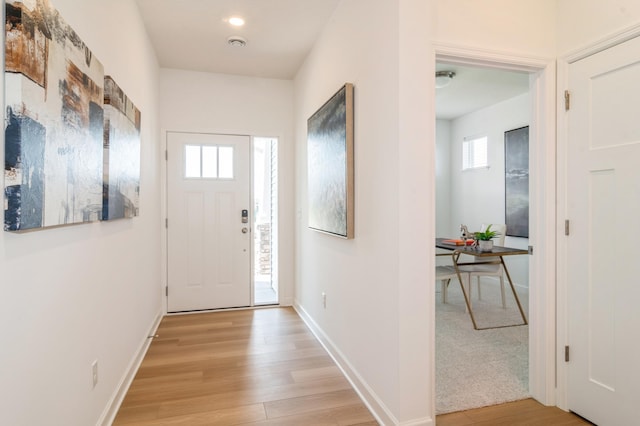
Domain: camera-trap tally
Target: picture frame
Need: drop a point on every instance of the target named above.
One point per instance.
(72, 136)
(330, 162)
(516, 172)
(121, 157)
(54, 115)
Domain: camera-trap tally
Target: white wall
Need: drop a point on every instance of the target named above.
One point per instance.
(74, 294)
(367, 280)
(359, 276)
(218, 103)
(477, 196)
(582, 22)
(526, 27)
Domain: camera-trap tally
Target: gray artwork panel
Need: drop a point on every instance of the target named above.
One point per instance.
(327, 157)
(516, 145)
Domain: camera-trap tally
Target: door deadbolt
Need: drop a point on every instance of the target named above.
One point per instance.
(245, 230)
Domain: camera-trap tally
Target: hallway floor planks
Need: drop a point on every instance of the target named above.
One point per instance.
(264, 367)
(246, 367)
(526, 412)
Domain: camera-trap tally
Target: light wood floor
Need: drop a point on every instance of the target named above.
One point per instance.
(251, 367)
(527, 412)
(264, 367)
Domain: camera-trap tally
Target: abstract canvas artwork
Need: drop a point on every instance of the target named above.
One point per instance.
(330, 165)
(54, 121)
(121, 154)
(516, 155)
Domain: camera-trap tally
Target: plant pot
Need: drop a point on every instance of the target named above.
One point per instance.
(485, 245)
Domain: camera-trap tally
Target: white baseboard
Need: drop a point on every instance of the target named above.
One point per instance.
(110, 412)
(420, 422)
(368, 396)
(370, 399)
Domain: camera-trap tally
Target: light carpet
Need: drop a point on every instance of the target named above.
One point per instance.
(477, 368)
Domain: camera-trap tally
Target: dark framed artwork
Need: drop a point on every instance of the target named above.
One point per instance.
(121, 164)
(54, 90)
(516, 161)
(330, 165)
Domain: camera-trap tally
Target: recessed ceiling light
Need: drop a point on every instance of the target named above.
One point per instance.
(236, 21)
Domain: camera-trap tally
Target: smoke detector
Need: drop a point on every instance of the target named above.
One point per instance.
(237, 41)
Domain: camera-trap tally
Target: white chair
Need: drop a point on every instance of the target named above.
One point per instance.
(488, 270)
(445, 274)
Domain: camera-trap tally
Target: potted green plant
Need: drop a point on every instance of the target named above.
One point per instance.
(485, 238)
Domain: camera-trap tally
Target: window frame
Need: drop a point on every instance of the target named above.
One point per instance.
(217, 159)
(469, 152)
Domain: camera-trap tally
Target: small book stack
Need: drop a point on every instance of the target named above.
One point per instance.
(457, 242)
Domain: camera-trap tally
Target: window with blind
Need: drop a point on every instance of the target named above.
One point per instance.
(474, 153)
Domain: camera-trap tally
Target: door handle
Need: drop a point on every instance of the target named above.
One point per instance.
(245, 230)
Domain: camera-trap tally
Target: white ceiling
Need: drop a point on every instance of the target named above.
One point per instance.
(192, 35)
(474, 88)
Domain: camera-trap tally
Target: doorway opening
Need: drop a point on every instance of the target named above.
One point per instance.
(265, 223)
(480, 103)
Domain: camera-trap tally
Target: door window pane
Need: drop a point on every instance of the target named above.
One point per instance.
(209, 161)
(225, 154)
(192, 161)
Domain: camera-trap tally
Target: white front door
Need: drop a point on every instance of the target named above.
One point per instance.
(604, 211)
(209, 223)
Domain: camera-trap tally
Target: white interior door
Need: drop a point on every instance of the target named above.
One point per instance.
(604, 209)
(208, 188)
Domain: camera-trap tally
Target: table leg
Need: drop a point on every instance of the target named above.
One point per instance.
(455, 256)
(513, 289)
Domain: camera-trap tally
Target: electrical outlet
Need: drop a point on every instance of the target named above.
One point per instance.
(324, 300)
(94, 372)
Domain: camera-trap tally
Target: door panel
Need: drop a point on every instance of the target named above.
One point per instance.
(603, 186)
(208, 253)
